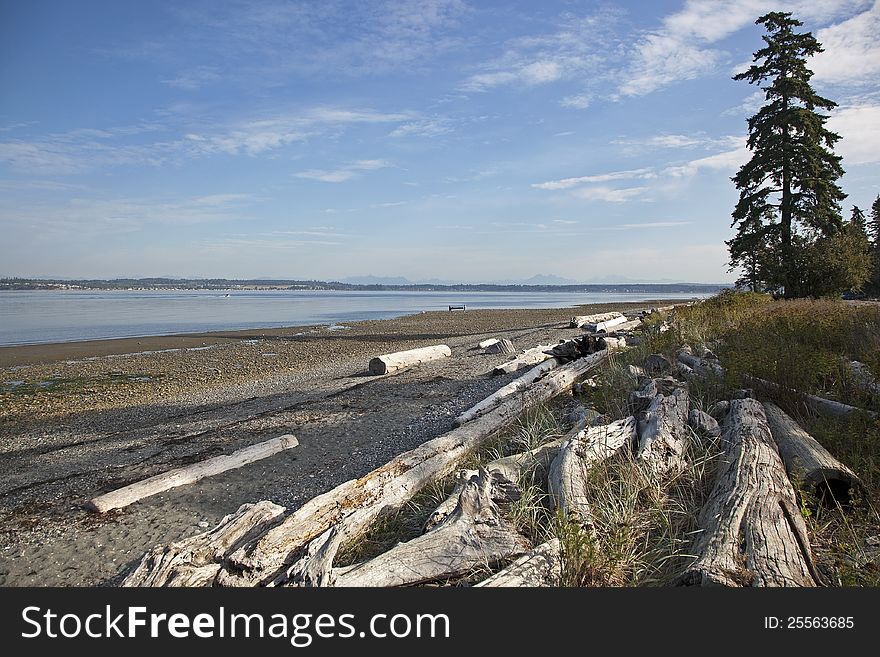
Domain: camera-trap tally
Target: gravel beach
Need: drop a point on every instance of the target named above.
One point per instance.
(81, 419)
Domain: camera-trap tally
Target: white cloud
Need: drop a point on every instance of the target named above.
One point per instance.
(655, 224)
(579, 101)
(610, 195)
(342, 174)
(422, 128)
(727, 161)
(852, 50)
(859, 128)
(194, 79)
(567, 183)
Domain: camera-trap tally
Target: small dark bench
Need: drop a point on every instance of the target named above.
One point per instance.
(461, 307)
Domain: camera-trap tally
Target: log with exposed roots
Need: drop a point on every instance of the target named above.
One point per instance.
(541, 566)
(753, 533)
(663, 431)
(809, 465)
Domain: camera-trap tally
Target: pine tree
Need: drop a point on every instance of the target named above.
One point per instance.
(788, 191)
(873, 230)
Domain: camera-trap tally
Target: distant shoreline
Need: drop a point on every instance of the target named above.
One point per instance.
(228, 285)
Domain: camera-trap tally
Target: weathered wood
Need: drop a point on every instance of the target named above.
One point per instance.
(390, 363)
(189, 474)
(819, 404)
(603, 326)
(502, 346)
(568, 479)
(700, 366)
(515, 386)
(488, 343)
(864, 379)
(657, 364)
(579, 321)
(663, 431)
(753, 533)
(703, 423)
(638, 400)
(528, 358)
(808, 464)
(623, 327)
(195, 561)
(541, 566)
(355, 504)
(474, 534)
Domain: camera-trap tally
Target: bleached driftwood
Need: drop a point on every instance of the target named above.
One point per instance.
(569, 473)
(353, 505)
(195, 561)
(663, 431)
(502, 346)
(638, 400)
(603, 326)
(818, 404)
(390, 363)
(657, 364)
(864, 379)
(515, 386)
(528, 358)
(474, 534)
(703, 423)
(578, 321)
(541, 566)
(753, 533)
(701, 366)
(808, 464)
(622, 327)
(189, 474)
(488, 343)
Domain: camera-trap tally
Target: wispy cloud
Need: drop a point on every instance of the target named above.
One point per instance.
(654, 224)
(344, 173)
(194, 79)
(852, 50)
(859, 128)
(567, 183)
(609, 194)
(427, 128)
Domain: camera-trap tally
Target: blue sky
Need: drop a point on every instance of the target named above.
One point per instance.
(439, 139)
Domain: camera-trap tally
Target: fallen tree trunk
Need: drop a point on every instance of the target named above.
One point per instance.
(526, 359)
(542, 566)
(353, 505)
(569, 473)
(663, 431)
(864, 379)
(819, 404)
(488, 343)
(701, 366)
(474, 534)
(502, 346)
(808, 464)
(503, 393)
(580, 320)
(753, 533)
(596, 327)
(189, 474)
(390, 363)
(622, 327)
(195, 561)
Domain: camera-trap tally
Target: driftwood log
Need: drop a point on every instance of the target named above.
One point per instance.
(863, 379)
(390, 363)
(502, 346)
(474, 534)
(569, 474)
(528, 358)
(515, 386)
(195, 561)
(622, 327)
(189, 474)
(809, 465)
(542, 566)
(700, 366)
(819, 404)
(488, 343)
(663, 431)
(352, 506)
(753, 533)
(579, 321)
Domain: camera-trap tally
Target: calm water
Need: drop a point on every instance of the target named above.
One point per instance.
(34, 317)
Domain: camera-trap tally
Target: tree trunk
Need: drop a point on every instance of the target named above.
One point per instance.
(819, 404)
(502, 346)
(542, 566)
(475, 534)
(569, 474)
(189, 474)
(753, 533)
(808, 464)
(579, 321)
(503, 393)
(663, 431)
(390, 363)
(526, 359)
(195, 561)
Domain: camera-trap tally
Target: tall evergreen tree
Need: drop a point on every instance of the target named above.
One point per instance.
(788, 190)
(873, 230)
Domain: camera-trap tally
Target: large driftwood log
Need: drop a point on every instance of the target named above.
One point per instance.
(353, 505)
(189, 474)
(623, 327)
(663, 431)
(502, 346)
(542, 566)
(569, 474)
(819, 404)
(515, 386)
(700, 366)
(195, 561)
(390, 363)
(603, 326)
(753, 533)
(526, 359)
(475, 534)
(578, 321)
(808, 463)
(864, 379)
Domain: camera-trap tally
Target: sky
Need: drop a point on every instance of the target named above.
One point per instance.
(446, 140)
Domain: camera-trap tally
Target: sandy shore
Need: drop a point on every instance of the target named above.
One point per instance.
(80, 419)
